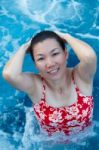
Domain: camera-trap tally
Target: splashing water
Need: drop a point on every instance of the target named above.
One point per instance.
(19, 129)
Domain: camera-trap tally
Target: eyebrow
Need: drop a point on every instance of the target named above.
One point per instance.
(50, 51)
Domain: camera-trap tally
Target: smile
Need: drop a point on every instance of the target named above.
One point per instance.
(53, 71)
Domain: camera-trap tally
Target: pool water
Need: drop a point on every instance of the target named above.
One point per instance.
(19, 21)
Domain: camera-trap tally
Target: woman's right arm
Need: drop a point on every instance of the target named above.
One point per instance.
(12, 71)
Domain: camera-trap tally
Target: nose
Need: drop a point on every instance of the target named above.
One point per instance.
(49, 62)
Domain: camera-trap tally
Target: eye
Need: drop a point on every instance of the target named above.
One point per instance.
(40, 59)
(54, 54)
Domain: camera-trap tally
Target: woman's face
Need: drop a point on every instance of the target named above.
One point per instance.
(50, 59)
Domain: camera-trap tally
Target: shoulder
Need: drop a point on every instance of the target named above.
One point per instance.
(85, 70)
(84, 86)
(35, 92)
(35, 80)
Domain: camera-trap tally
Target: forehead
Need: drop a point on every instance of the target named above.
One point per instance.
(48, 44)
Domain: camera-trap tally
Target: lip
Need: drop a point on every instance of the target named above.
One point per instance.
(53, 71)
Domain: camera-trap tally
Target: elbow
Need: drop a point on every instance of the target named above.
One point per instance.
(9, 75)
(6, 75)
(91, 57)
(94, 57)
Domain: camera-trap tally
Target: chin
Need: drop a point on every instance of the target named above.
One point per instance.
(54, 78)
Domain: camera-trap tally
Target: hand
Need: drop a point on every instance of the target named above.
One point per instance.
(62, 35)
(26, 46)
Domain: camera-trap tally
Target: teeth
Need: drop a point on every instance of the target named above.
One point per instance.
(53, 71)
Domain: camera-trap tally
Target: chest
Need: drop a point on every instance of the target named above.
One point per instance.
(79, 112)
(59, 99)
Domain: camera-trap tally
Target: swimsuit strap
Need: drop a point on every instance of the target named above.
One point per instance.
(76, 87)
(43, 89)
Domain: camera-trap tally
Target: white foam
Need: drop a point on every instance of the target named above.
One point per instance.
(96, 18)
(88, 35)
(4, 142)
(31, 137)
(50, 9)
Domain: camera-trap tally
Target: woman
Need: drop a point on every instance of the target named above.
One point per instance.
(62, 96)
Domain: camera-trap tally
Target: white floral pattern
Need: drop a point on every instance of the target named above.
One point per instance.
(71, 119)
(55, 116)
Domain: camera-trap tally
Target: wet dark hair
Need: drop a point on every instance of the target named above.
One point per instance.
(43, 35)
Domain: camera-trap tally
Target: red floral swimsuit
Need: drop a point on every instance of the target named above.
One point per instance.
(67, 119)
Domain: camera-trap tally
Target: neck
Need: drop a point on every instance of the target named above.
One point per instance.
(59, 85)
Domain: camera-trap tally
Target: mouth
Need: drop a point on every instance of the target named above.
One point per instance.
(53, 71)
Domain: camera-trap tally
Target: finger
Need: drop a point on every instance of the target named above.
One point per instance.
(29, 42)
(61, 35)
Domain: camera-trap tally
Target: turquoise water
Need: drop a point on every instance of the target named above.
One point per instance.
(19, 21)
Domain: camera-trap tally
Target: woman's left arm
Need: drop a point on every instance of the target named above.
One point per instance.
(85, 53)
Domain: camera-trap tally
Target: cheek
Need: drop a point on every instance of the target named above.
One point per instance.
(40, 66)
(62, 59)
